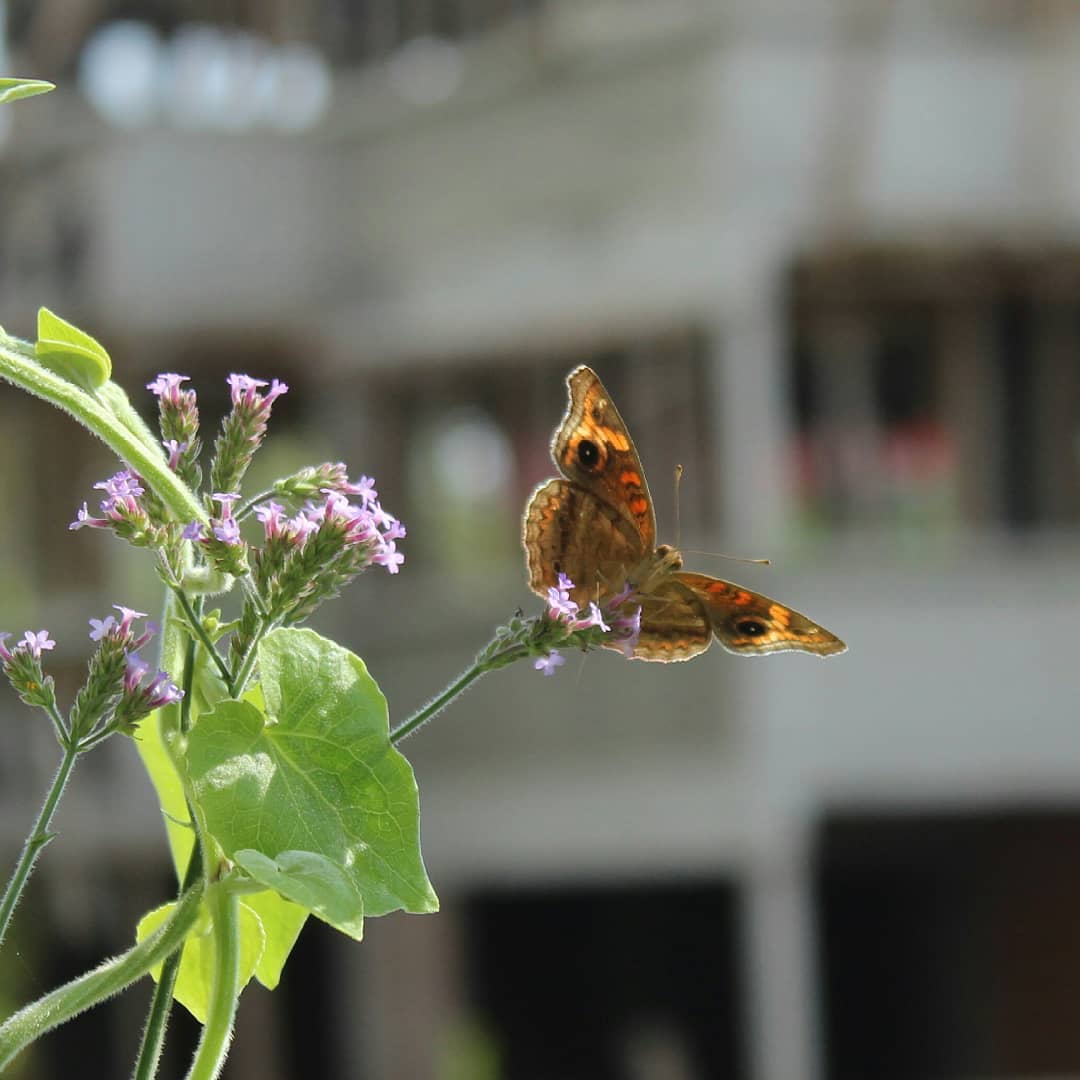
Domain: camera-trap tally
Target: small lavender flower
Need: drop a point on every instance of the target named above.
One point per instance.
(388, 555)
(34, 643)
(225, 527)
(594, 618)
(364, 487)
(176, 451)
(560, 606)
(134, 670)
(100, 627)
(548, 664)
(243, 430)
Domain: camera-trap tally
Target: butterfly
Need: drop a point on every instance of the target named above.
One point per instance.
(596, 525)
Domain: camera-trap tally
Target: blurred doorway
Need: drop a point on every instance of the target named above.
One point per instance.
(950, 945)
(636, 983)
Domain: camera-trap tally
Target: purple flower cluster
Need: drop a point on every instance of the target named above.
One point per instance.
(336, 524)
(617, 630)
(221, 539)
(115, 697)
(178, 419)
(22, 666)
(243, 430)
(346, 524)
(125, 510)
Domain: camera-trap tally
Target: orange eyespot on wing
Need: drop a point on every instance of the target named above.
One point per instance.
(751, 624)
(593, 448)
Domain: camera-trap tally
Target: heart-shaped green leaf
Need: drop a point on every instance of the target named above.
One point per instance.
(318, 776)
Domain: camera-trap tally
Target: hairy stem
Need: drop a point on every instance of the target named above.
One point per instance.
(459, 685)
(157, 1019)
(37, 839)
(224, 993)
(34, 1020)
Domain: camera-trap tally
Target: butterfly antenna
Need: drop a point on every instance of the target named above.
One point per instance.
(717, 554)
(678, 518)
(733, 558)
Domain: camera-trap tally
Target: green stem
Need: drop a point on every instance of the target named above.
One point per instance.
(247, 665)
(461, 683)
(60, 724)
(34, 1020)
(199, 630)
(157, 1019)
(107, 415)
(221, 1012)
(248, 505)
(37, 839)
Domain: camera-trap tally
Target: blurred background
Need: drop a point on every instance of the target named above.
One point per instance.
(824, 254)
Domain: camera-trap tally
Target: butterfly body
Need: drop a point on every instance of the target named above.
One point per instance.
(596, 524)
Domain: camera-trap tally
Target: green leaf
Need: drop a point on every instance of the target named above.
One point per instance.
(70, 352)
(313, 882)
(170, 791)
(282, 922)
(13, 89)
(319, 776)
(195, 978)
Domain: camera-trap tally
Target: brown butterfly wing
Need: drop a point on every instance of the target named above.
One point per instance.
(593, 448)
(751, 624)
(674, 623)
(570, 530)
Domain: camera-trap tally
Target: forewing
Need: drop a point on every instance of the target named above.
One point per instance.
(569, 530)
(750, 624)
(593, 448)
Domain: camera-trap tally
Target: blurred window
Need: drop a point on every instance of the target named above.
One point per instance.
(936, 390)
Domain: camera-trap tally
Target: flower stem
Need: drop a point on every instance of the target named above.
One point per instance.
(221, 1012)
(199, 630)
(157, 1019)
(37, 839)
(248, 505)
(462, 682)
(247, 665)
(34, 1020)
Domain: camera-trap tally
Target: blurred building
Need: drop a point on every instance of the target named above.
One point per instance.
(824, 254)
